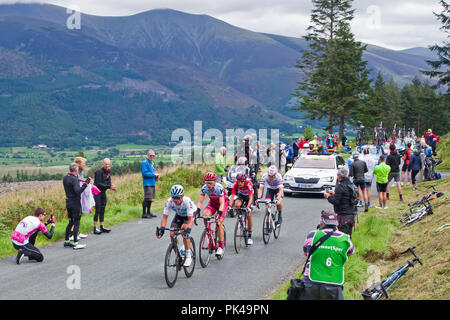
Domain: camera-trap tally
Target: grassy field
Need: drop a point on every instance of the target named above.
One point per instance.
(379, 239)
(123, 205)
(443, 152)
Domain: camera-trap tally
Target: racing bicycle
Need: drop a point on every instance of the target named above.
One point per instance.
(270, 222)
(380, 289)
(175, 258)
(420, 208)
(209, 241)
(241, 228)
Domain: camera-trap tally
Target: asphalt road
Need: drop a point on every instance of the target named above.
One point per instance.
(128, 263)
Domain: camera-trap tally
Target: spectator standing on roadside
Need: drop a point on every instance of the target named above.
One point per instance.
(368, 176)
(415, 166)
(289, 156)
(393, 160)
(102, 182)
(220, 164)
(406, 159)
(382, 172)
(324, 271)
(344, 139)
(24, 236)
(357, 170)
(341, 199)
(81, 162)
(295, 147)
(149, 178)
(73, 205)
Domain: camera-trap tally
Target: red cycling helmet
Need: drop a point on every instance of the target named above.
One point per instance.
(241, 176)
(210, 176)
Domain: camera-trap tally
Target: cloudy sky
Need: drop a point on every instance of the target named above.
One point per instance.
(395, 24)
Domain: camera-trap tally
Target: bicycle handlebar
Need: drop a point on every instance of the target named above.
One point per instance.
(411, 249)
(267, 201)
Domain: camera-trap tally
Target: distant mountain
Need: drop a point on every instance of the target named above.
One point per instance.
(422, 52)
(139, 77)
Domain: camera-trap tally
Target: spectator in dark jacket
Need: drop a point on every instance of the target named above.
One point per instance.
(393, 160)
(73, 204)
(415, 164)
(103, 182)
(295, 147)
(341, 201)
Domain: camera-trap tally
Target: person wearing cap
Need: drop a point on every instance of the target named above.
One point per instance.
(357, 170)
(149, 177)
(382, 171)
(324, 272)
(341, 199)
(393, 160)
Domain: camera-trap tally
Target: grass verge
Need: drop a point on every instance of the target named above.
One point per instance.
(379, 238)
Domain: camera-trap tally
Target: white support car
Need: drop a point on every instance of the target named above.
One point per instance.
(313, 174)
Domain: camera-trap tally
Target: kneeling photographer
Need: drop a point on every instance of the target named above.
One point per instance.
(326, 250)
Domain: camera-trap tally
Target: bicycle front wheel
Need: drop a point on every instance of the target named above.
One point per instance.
(171, 265)
(267, 228)
(205, 249)
(189, 271)
(239, 235)
(277, 227)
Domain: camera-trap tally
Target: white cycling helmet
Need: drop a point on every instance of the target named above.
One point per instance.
(306, 146)
(241, 161)
(177, 191)
(272, 170)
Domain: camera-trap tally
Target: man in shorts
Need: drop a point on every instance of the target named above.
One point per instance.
(368, 176)
(406, 159)
(382, 172)
(184, 210)
(242, 191)
(357, 170)
(393, 160)
(218, 202)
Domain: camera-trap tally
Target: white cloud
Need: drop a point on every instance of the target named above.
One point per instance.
(394, 24)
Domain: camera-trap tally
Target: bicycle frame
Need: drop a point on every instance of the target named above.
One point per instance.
(210, 230)
(374, 292)
(177, 232)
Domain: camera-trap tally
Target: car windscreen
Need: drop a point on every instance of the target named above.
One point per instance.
(315, 163)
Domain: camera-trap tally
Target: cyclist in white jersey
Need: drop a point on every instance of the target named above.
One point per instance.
(274, 182)
(184, 210)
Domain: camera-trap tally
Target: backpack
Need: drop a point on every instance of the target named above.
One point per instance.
(354, 198)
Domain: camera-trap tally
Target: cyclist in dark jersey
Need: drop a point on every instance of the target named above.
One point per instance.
(244, 190)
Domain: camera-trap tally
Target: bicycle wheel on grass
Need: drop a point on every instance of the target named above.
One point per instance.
(240, 235)
(205, 249)
(171, 266)
(189, 271)
(277, 227)
(266, 228)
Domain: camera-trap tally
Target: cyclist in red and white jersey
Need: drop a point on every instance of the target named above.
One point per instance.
(218, 202)
(243, 192)
(274, 182)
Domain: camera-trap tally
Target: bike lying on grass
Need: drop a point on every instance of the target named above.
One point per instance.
(420, 208)
(380, 289)
(175, 258)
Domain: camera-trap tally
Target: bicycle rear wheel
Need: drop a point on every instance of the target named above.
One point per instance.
(239, 235)
(267, 228)
(277, 227)
(205, 249)
(189, 271)
(171, 265)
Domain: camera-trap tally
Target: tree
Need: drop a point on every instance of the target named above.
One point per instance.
(441, 67)
(334, 77)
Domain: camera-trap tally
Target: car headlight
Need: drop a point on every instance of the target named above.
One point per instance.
(288, 178)
(327, 179)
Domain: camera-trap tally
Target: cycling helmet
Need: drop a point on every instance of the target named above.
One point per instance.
(366, 151)
(241, 176)
(177, 191)
(241, 161)
(306, 146)
(210, 176)
(272, 170)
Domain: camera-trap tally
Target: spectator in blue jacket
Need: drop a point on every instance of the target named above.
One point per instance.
(289, 156)
(415, 164)
(295, 147)
(149, 177)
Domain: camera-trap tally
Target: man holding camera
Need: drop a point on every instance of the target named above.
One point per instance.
(24, 236)
(341, 199)
(324, 270)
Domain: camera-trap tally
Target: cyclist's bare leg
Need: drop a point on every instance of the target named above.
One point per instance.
(187, 242)
(206, 213)
(220, 228)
